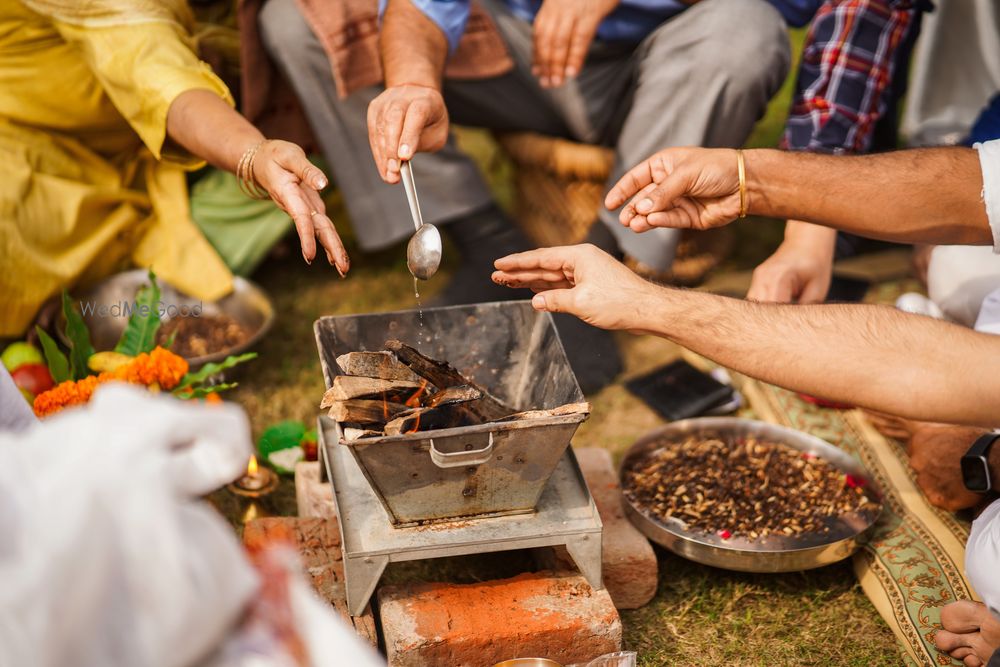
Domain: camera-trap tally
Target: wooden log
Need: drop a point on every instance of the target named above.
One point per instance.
(452, 395)
(352, 433)
(443, 375)
(363, 411)
(384, 365)
(561, 411)
(429, 419)
(347, 387)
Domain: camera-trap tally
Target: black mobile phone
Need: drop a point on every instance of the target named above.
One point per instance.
(679, 390)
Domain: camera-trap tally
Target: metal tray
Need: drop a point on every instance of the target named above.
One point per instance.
(778, 553)
(469, 471)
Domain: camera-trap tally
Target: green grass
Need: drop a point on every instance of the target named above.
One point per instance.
(700, 616)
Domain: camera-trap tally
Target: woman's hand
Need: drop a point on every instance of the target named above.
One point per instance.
(294, 183)
(682, 188)
(580, 280)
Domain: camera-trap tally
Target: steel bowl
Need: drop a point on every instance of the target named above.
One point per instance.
(248, 304)
(778, 553)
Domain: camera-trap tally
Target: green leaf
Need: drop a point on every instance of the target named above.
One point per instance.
(210, 369)
(78, 335)
(280, 436)
(201, 392)
(140, 332)
(169, 343)
(54, 357)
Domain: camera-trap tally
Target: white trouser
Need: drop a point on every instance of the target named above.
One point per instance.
(982, 557)
(960, 278)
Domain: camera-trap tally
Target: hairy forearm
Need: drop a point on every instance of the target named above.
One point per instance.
(205, 125)
(928, 195)
(413, 47)
(870, 356)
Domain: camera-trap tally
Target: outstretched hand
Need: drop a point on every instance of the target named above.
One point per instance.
(294, 183)
(581, 280)
(681, 188)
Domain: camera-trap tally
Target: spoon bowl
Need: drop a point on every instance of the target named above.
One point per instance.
(423, 252)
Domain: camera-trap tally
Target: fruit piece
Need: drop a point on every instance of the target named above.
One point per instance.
(309, 449)
(107, 362)
(33, 378)
(19, 353)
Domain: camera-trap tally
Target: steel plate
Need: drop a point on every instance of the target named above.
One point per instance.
(779, 553)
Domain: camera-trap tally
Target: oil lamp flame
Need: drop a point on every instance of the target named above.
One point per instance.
(252, 466)
(257, 481)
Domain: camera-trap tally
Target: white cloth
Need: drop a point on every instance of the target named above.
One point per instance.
(989, 314)
(982, 557)
(109, 557)
(989, 161)
(15, 413)
(956, 70)
(959, 278)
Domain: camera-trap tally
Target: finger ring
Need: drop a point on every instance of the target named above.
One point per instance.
(314, 213)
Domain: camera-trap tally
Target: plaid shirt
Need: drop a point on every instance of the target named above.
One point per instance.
(845, 79)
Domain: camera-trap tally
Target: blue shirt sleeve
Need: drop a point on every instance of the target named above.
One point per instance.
(797, 13)
(449, 15)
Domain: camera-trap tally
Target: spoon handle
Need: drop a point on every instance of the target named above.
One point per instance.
(411, 193)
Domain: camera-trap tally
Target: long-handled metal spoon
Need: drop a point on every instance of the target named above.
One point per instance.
(423, 252)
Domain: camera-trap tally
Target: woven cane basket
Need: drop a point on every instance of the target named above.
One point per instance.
(559, 186)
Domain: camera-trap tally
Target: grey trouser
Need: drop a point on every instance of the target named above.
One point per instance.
(702, 78)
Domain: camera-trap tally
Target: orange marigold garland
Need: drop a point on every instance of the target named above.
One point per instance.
(160, 368)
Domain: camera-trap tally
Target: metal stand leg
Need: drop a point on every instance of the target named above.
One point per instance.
(361, 575)
(586, 553)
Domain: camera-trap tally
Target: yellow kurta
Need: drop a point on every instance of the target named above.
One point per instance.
(87, 184)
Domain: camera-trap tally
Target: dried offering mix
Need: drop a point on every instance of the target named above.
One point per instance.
(199, 336)
(750, 488)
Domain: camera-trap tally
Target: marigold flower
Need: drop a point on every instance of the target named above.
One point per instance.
(160, 368)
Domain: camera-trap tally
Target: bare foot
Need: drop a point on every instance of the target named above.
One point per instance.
(970, 633)
(891, 426)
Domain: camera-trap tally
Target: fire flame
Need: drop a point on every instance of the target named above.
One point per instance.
(252, 466)
(414, 402)
(385, 408)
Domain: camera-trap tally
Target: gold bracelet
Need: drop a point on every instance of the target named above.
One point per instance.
(245, 177)
(742, 171)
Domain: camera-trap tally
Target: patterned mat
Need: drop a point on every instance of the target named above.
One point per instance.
(913, 564)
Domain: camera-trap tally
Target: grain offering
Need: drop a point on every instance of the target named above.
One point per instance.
(200, 336)
(749, 488)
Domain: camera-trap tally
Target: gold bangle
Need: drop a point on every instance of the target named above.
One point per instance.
(742, 171)
(245, 177)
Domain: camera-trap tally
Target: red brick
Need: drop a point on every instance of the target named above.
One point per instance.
(313, 497)
(628, 563)
(478, 625)
(318, 544)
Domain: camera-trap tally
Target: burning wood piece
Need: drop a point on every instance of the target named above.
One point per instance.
(347, 387)
(362, 411)
(443, 375)
(453, 395)
(427, 419)
(562, 410)
(382, 365)
(352, 433)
